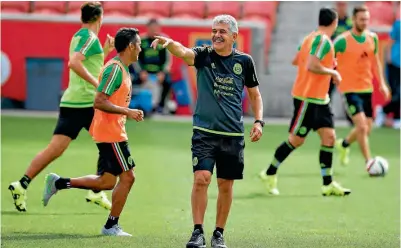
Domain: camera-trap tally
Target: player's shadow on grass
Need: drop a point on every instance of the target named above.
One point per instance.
(259, 195)
(47, 214)
(307, 175)
(23, 236)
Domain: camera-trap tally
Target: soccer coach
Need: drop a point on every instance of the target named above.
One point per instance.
(218, 129)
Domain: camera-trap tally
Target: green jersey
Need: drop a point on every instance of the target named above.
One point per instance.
(80, 93)
(112, 78)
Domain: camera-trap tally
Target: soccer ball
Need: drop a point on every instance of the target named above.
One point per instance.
(377, 166)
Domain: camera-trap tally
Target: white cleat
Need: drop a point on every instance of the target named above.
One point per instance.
(115, 231)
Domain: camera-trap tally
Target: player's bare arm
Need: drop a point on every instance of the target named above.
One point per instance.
(315, 66)
(108, 46)
(102, 103)
(75, 64)
(175, 48)
(378, 72)
(256, 101)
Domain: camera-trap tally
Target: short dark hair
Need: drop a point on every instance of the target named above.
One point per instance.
(357, 9)
(91, 12)
(327, 16)
(124, 37)
(152, 21)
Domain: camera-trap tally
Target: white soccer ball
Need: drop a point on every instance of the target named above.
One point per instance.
(171, 106)
(377, 166)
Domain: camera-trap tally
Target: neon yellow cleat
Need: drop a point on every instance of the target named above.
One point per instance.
(270, 182)
(343, 152)
(99, 199)
(334, 189)
(19, 196)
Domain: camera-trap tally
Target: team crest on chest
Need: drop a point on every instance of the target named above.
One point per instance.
(237, 69)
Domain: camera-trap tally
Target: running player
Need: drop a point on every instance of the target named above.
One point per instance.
(218, 135)
(315, 61)
(357, 56)
(108, 130)
(76, 107)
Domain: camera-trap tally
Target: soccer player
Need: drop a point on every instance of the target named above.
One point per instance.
(218, 130)
(76, 107)
(358, 60)
(108, 130)
(315, 60)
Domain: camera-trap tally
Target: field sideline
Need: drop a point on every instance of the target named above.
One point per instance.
(158, 210)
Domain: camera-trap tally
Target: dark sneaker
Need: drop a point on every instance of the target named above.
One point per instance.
(218, 241)
(197, 240)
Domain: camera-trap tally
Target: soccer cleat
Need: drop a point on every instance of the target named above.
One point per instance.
(334, 189)
(270, 182)
(218, 241)
(115, 231)
(343, 152)
(99, 199)
(19, 196)
(197, 240)
(50, 187)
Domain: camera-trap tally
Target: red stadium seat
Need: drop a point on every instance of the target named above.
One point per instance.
(15, 7)
(188, 9)
(153, 9)
(223, 7)
(262, 9)
(74, 8)
(50, 7)
(381, 13)
(119, 8)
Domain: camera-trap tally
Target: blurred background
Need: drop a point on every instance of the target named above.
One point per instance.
(35, 37)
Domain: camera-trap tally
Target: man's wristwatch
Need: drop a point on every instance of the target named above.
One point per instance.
(262, 123)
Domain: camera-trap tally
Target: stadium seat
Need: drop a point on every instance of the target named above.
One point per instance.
(261, 9)
(381, 13)
(223, 7)
(15, 7)
(74, 8)
(119, 8)
(188, 10)
(153, 9)
(49, 7)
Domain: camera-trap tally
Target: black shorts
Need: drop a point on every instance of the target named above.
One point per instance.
(310, 116)
(226, 152)
(72, 120)
(358, 102)
(114, 158)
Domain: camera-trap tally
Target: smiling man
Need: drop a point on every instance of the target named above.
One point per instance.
(218, 130)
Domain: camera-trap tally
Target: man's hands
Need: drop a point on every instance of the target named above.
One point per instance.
(162, 41)
(336, 77)
(135, 114)
(385, 91)
(256, 132)
(108, 44)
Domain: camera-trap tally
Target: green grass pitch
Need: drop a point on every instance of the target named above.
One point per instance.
(158, 212)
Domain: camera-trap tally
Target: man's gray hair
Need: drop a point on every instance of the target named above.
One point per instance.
(227, 19)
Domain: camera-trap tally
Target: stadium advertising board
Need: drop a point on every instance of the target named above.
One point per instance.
(50, 39)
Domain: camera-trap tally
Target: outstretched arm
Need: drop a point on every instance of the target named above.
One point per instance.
(175, 48)
(378, 70)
